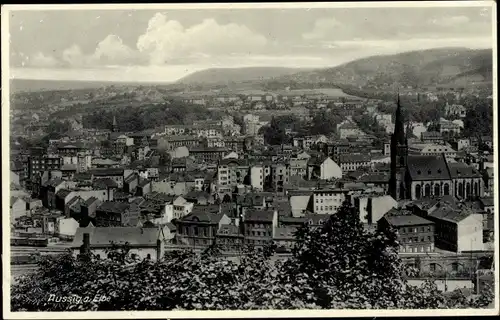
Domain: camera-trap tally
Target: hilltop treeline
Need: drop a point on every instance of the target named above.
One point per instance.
(147, 117)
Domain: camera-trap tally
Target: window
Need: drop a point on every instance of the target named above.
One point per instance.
(454, 267)
(148, 256)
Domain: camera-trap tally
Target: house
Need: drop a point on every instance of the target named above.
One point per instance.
(115, 174)
(144, 187)
(415, 234)
(349, 129)
(298, 164)
(66, 228)
(323, 168)
(179, 208)
(115, 214)
(229, 238)
(448, 127)
(352, 162)
(372, 207)
(299, 202)
(130, 183)
(144, 243)
(257, 177)
(456, 110)
(18, 208)
(328, 201)
(433, 137)
(200, 228)
(489, 181)
(457, 227)
(259, 225)
(430, 149)
(88, 209)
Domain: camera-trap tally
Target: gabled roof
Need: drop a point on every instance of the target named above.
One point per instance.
(229, 230)
(102, 172)
(428, 168)
(104, 183)
(451, 212)
(202, 217)
(487, 201)
(90, 201)
(398, 219)
(354, 158)
(259, 215)
(63, 193)
(144, 182)
(113, 206)
(103, 236)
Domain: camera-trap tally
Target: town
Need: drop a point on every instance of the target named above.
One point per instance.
(228, 181)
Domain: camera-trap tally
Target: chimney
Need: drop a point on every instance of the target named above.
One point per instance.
(158, 250)
(85, 248)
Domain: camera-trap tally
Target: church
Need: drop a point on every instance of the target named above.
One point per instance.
(415, 177)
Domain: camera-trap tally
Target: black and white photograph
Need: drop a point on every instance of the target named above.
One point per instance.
(256, 159)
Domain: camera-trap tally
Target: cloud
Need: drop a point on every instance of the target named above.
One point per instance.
(74, 56)
(448, 21)
(166, 40)
(323, 29)
(111, 50)
(42, 60)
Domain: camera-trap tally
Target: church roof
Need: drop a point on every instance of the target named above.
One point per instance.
(428, 168)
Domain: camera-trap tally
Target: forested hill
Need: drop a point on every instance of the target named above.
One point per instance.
(416, 68)
(236, 75)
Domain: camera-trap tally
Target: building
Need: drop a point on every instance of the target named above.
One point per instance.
(415, 234)
(39, 161)
(229, 238)
(208, 154)
(457, 227)
(417, 176)
(257, 177)
(280, 175)
(449, 127)
(456, 110)
(323, 168)
(115, 174)
(117, 214)
(328, 201)
(353, 162)
(430, 149)
(259, 225)
(432, 137)
(200, 228)
(349, 129)
(298, 164)
(144, 243)
(372, 207)
(18, 208)
(230, 173)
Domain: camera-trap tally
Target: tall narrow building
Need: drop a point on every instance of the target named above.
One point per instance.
(399, 157)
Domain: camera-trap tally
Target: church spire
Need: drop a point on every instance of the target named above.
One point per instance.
(399, 131)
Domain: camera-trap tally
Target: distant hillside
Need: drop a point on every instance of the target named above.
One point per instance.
(30, 85)
(236, 75)
(415, 68)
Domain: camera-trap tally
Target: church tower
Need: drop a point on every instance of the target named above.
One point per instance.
(399, 156)
(115, 126)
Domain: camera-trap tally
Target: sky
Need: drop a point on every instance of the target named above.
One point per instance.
(165, 45)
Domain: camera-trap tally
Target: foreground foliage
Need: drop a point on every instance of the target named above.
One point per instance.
(339, 265)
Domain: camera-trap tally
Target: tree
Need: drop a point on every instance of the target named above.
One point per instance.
(338, 265)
